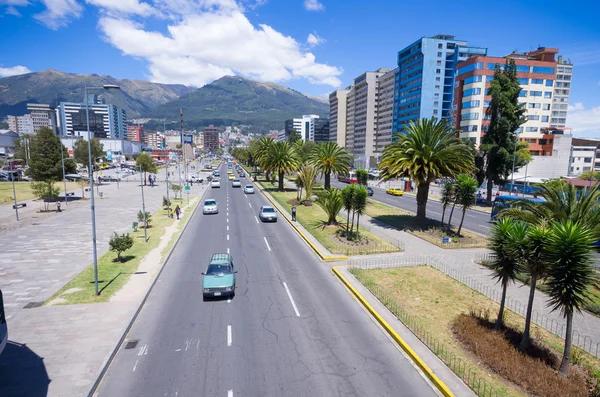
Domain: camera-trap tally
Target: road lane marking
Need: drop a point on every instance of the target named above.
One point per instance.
(229, 335)
(291, 299)
(227, 250)
(229, 393)
(228, 227)
(143, 350)
(250, 205)
(135, 365)
(266, 242)
(227, 213)
(227, 220)
(228, 237)
(256, 219)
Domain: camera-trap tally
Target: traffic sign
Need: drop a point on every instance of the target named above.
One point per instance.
(187, 188)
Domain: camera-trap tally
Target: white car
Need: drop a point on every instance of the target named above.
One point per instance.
(210, 207)
(249, 189)
(267, 214)
(236, 183)
(215, 183)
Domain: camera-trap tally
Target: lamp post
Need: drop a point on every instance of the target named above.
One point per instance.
(167, 162)
(143, 206)
(12, 178)
(91, 176)
(512, 178)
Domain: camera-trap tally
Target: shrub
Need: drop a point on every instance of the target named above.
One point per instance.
(166, 202)
(46, 191)
(140, 217)
(120, 244)
(533, 371)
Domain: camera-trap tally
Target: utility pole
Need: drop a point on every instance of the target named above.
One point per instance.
(143, 206)
(183, 144)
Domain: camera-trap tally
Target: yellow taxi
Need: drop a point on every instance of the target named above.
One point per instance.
(230, 177)
(230, 172)
(395, 192)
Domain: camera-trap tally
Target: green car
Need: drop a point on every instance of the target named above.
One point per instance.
(219, 278)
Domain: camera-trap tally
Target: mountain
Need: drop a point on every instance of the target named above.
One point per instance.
(135, 96)
(234, 99)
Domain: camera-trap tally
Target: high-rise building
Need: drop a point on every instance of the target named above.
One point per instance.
(384, 112)
(305, 126)
(151, 138)
(42, 115)
(543, 95)
(20, 124)
(135, 133)
(211, 138)
(424, 81)
(106, 121)
(320, 130)
(337, 116)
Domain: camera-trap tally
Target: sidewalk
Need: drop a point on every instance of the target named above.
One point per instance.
(59, 350)
(460, 264)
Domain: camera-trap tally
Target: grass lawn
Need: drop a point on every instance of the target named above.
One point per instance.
(433, 301)
(23, 190)
(429, 230)
(312, 217)
(112, 276)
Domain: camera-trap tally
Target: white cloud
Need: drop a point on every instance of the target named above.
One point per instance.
(582, 120)
(314, 40)
(124, 6)
(207, 45)
(313, 5)
(58, 13)
(20, 3)
(11, 10)
(15, 70)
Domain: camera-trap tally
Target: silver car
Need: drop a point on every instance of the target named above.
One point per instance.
(236, 183)
(267, 214)
(210, 207)
(216, 182)
(249, 189)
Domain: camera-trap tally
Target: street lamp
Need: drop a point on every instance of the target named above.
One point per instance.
(143, 206)
(90, 174)
(167, 162)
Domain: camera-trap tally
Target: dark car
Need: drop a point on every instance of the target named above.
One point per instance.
(242, 175)
(370, 190)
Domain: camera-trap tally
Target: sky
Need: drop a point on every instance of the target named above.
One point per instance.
(312, 46)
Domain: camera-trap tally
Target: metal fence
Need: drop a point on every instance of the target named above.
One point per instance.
(557, 327)
(461, 368)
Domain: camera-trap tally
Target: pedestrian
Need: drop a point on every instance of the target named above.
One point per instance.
(293, 213)
(171, 213)
(177, 211)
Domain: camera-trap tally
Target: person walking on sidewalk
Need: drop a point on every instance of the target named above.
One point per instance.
(293, 213)
(177, 211)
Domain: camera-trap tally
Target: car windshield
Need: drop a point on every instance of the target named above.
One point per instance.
(236, 180)
(249, 187)
(210, 202)
(268, 209)
(218, 270)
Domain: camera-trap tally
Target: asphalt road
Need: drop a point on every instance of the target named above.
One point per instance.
(291, 330)
(475, 221)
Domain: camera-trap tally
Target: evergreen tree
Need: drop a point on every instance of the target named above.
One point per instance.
(45, 161)
(506, 115)
(80, 151)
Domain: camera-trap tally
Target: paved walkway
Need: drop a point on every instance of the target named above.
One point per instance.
(59, 350)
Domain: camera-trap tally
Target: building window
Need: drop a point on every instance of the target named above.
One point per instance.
(471, 104)
(472, 91)
(587, 159)
(436, 95)
(523, 81)
(533, 117)
(542, 70)
(473, 79)
(522, 69)
(436, 103)
(546, 106)
(534, 105)
(535, 93)
(440, 45)
(547, 94)
(537, 81)
(531, 129)
(545, 119)
(435, 111)
(468, 68)
(438, 71)
(486, 104)
(439, 63)
(523, 93)
(549, 83)
(437, 87)
(439, 54)
(438, 79)
(470, 116)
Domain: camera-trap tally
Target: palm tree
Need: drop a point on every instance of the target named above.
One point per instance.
(329, 157)
(348, 198)
(308, 175)
(331, 202)
(535, 261)
(427, 152)
(261, 150)
(280, 158)
(447, 198)
(506, 234)
(569, 275)
(454, 198)
(299, 186)
(466, 186)
(359, 204)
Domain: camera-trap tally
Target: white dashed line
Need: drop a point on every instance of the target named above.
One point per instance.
(143, 350)
(135, 365)
(256, 219)
(228, 237)
(291, 299)
(266, 242)
(227, 250)
(227, 227)
(250, 205)
(229, 335)
(227, 220)
(229, 393)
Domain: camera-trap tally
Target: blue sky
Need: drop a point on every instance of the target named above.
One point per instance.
(313, 46)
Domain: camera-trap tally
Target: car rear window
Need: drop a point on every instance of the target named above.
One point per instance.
(248, 186)
(210, 202)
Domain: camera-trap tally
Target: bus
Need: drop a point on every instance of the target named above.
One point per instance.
(3, 326)
(502, 202)
(350, 178)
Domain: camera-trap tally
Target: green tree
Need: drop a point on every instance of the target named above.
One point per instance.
(427, 152)
(506, 115)
(146, 163)
(46, 191)
(80, 151)
(120, 244)
(304, 150)
(347, 200)
(362, 176)
(177, 189)
(144, 217)
(281, 158)
(506, 234)
(308, 176)
(83, 183)
(586, 176)
(45, 161)
(261, 149)
(359, 205)
(299, 187)
(294, 137)
(466, 188)
(447, 198)
(329, 157)
(570, 254)
(331, 202)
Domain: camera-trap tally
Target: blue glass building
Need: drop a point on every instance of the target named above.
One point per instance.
(424, 81)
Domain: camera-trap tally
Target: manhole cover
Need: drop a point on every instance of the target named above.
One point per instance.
(131, 344)
(32, 305)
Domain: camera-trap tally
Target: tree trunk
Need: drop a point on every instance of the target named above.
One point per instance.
(443, 214)
(461, 221)
(347, 220)
(450, 217)
(524, 345)
(357, 223)
(490, 186)
(422, 196)
(499, 320)
(328, 180)
(566, 359)
(352, 224)
(281, 181)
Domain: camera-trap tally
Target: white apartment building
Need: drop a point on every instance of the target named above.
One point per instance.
(304, 126)
(42, 115)
(562, 90)
(20, 124)
(337, 116)
(384, 112)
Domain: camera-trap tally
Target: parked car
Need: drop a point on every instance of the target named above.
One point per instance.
(249, 189)
(236, 183)
(109, 178)
(370, 191)
(219, 277)
(210, 207)
(395, 192)
(267, 214)
(216, 182)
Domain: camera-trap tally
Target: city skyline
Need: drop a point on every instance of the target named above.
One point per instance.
(145, 40)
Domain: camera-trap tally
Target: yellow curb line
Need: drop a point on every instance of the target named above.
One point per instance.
(441, 386)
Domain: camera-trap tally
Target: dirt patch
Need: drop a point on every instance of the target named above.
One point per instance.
(337, 239)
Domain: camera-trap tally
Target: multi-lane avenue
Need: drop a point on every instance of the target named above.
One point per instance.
(291, 330)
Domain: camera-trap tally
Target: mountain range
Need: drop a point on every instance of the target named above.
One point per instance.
(226, 101)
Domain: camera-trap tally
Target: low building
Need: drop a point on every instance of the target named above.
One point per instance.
(152, 139)
(7, 143)
(135, 133)
(114, 149)
(553, 162)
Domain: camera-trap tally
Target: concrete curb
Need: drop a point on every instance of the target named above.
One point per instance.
(441, 386)
(112, 356)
